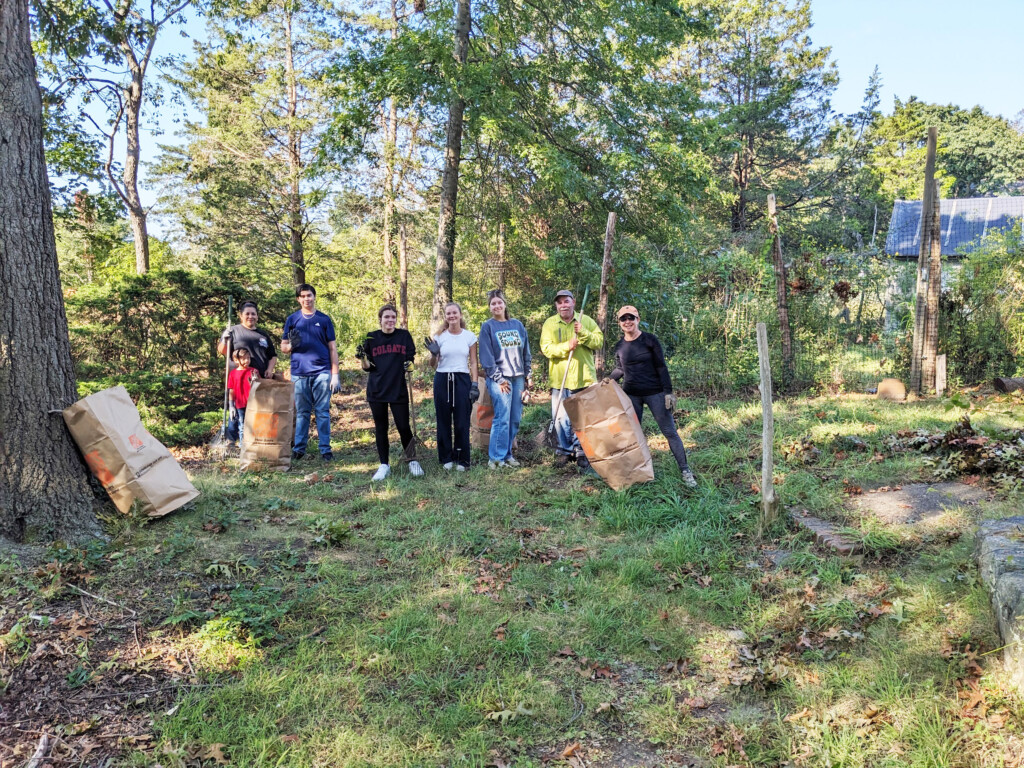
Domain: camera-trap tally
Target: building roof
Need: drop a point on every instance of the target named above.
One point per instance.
(965, 222)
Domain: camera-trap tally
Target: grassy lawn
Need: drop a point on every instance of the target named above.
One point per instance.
(530, 616)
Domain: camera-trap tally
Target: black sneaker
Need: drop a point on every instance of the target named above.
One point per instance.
(296, 455)
(327, 458)
(561, 459)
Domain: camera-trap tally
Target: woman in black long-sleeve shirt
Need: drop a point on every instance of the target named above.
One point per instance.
(640, 361)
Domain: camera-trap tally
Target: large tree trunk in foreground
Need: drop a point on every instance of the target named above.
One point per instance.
(450, 178)
(44, 488)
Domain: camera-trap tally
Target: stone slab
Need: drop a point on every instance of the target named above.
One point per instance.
(1000, 552)
(919, 502)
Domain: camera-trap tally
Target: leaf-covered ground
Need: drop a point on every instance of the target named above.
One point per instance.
(529, 617)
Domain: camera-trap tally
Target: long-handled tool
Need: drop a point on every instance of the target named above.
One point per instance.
(220, 440)
(410, 450)
(565, 377)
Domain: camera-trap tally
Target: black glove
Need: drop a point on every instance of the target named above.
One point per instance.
(432, 346)
(294, 339)
(474, 392)
(360, 351)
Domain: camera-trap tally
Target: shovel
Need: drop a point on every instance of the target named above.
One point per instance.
(220, 440)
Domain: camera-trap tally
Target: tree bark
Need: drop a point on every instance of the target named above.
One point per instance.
(602, 301)
(499, 281)
(296, 227)
(445, 269)
(917, 382)
(390, 153)
(44, 488)
(403, 277)
(781, 299)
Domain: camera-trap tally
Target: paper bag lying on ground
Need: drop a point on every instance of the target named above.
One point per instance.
(606, 425)
(269, 425)
(480, 419)
(128, 461)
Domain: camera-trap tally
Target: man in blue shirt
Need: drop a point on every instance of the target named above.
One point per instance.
(309, 339)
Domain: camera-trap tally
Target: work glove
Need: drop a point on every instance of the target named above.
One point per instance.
(474, 392)
(294, 339)
(670, 402)
(226, 336)
(234, 413)
(335, 384)
(407, 365)
(432, 346)
(524, 397)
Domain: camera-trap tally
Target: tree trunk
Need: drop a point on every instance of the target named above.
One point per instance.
(444, 273)
(602, 301)
(44, 487)
(403, 277)
(295, 211)
(930, 350)
(781, 299)
(130, 177)
(499, 281)
(917, 383)
(390, 151)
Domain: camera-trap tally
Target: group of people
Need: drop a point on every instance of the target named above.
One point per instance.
(502, 350)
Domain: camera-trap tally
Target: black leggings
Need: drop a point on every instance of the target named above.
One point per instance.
(400, 412)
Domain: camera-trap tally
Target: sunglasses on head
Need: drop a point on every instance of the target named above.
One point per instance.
(624, 318)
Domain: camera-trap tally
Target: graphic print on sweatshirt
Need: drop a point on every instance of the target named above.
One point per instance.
(508, 339)
(387, 349)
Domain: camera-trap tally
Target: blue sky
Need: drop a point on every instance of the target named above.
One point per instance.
(943, 51)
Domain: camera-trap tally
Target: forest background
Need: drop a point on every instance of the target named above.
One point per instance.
(363, 146)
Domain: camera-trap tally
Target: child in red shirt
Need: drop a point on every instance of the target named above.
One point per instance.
(239, 383)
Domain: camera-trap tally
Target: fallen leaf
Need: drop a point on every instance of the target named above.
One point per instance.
(499, 633)
(697, 702)
(313, 477)
(289, 738)
(663, 615)
(567, 652)
(572, 750)
(215, 752)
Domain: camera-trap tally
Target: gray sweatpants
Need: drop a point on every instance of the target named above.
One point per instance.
(666, 423)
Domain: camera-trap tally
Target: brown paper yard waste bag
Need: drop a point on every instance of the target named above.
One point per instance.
(480, 419)
(606, 424)
(129, 462)
(269, 425)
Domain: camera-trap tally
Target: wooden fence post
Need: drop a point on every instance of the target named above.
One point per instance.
(769, 506)
(602, 302)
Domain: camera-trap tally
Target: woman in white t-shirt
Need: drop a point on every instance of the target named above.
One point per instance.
(453, 352)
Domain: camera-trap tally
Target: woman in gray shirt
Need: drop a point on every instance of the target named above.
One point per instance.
(505, 357)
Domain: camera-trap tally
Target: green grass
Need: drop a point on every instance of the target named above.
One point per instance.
(446, 601)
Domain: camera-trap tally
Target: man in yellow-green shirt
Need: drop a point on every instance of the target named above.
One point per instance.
(563, 333)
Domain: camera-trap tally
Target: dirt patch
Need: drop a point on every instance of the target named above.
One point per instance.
(910, 504)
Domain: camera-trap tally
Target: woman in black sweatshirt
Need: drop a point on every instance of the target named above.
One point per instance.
(639, 360)
(387, 354)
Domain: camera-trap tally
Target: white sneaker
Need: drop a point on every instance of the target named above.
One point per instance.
(382, 473)
(448, 466)
(495, 464)
(415, 469)
(460, 468)
(511, 462)
(688, 479)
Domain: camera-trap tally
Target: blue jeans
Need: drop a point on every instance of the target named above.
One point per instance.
(568, 443)
(508, 411)
(312, 393)
(235, 425)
